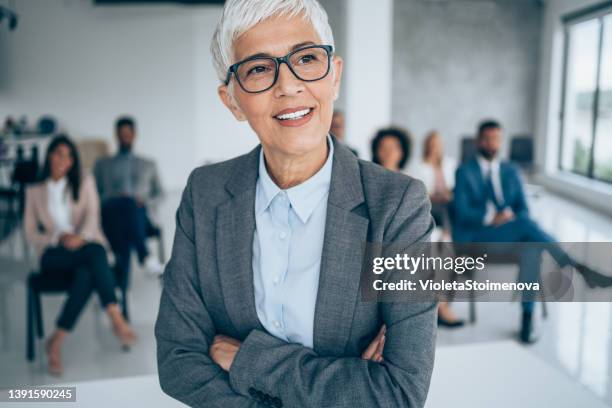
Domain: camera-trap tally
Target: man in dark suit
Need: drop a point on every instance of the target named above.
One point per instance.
(490, 206)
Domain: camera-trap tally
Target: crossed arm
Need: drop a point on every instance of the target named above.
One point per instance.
(201, 368)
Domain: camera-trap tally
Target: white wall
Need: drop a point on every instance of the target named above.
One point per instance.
(368, 85)
(457, 63)
(593, 193)
(86, 65)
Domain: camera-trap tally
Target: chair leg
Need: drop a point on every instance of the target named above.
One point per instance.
(39, 320)
(472, 307)
(544, 310)
(472, 311)
(30, 352)
(160, 248)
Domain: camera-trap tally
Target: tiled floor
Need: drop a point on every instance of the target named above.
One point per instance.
(575, 337)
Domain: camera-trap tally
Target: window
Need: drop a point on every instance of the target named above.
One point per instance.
(586, 111)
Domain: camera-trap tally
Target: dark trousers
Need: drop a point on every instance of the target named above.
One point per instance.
(439, 212)
(125, 225)
(84, 271)
(524, 229)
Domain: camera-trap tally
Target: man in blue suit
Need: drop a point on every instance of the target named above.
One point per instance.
(490, 206)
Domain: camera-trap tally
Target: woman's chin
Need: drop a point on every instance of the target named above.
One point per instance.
(299, 143)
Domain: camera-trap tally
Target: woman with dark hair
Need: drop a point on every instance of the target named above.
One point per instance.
(391, 148)
(63, 224)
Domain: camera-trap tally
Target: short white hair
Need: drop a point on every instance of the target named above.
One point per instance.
(239, 16)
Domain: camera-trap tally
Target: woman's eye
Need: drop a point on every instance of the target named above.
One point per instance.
(259, 69)
(305, 59)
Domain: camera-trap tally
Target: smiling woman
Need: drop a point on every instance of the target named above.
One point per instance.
(261, 296)
(288, 101)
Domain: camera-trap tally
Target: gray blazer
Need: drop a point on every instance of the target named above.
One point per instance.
(110, 173)
(208, 290)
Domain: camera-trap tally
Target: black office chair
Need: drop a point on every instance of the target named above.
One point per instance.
(9, 214)
(36, 286)
(468, 148)
(24, 173)
(521, 151)
(463, 249)
(156, 232)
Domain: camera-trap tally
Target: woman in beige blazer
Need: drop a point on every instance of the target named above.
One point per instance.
(62, 222)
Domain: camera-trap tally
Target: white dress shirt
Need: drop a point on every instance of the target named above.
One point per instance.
(59, 207)
(492, 166)
(426, 173)
(287, 248)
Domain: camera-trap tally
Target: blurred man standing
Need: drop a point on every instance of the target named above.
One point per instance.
(129, 187)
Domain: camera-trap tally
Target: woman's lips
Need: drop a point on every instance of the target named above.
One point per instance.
(291, 122)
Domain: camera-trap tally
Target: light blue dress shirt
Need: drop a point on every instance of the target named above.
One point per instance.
(287, 247)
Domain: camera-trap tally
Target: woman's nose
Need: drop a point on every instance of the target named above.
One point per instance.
(287, 83)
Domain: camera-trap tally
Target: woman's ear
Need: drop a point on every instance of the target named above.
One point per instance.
(229, 101)
(338, 64)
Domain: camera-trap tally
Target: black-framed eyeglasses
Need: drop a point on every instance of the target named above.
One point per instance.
(258, 74)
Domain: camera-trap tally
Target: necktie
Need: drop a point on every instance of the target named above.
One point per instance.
(490, 190)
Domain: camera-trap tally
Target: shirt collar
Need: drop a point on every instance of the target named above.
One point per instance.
(58, 185)
(486, 165)
(125, 154)
(304, 197)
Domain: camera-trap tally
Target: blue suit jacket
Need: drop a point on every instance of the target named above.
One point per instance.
(470, 203)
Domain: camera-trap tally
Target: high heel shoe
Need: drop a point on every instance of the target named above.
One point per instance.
(54, 362)
(593, 278)
(450, 324)
(126, 335)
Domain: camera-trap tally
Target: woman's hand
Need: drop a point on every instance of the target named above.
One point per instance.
(374, 351)
(224, 350)
(71, 242)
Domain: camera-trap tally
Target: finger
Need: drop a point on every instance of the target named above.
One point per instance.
(381, 346)
(381, 333)
(370, 350)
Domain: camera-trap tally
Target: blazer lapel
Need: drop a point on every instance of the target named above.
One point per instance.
(44, 216)
(234, 236)
(480, 186)
(341, 263)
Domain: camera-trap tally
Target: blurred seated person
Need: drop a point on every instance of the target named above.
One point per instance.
(437, 172)
(129, 188)
(490, 206)
(62, 222)
(391, 148)
(338, 129)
